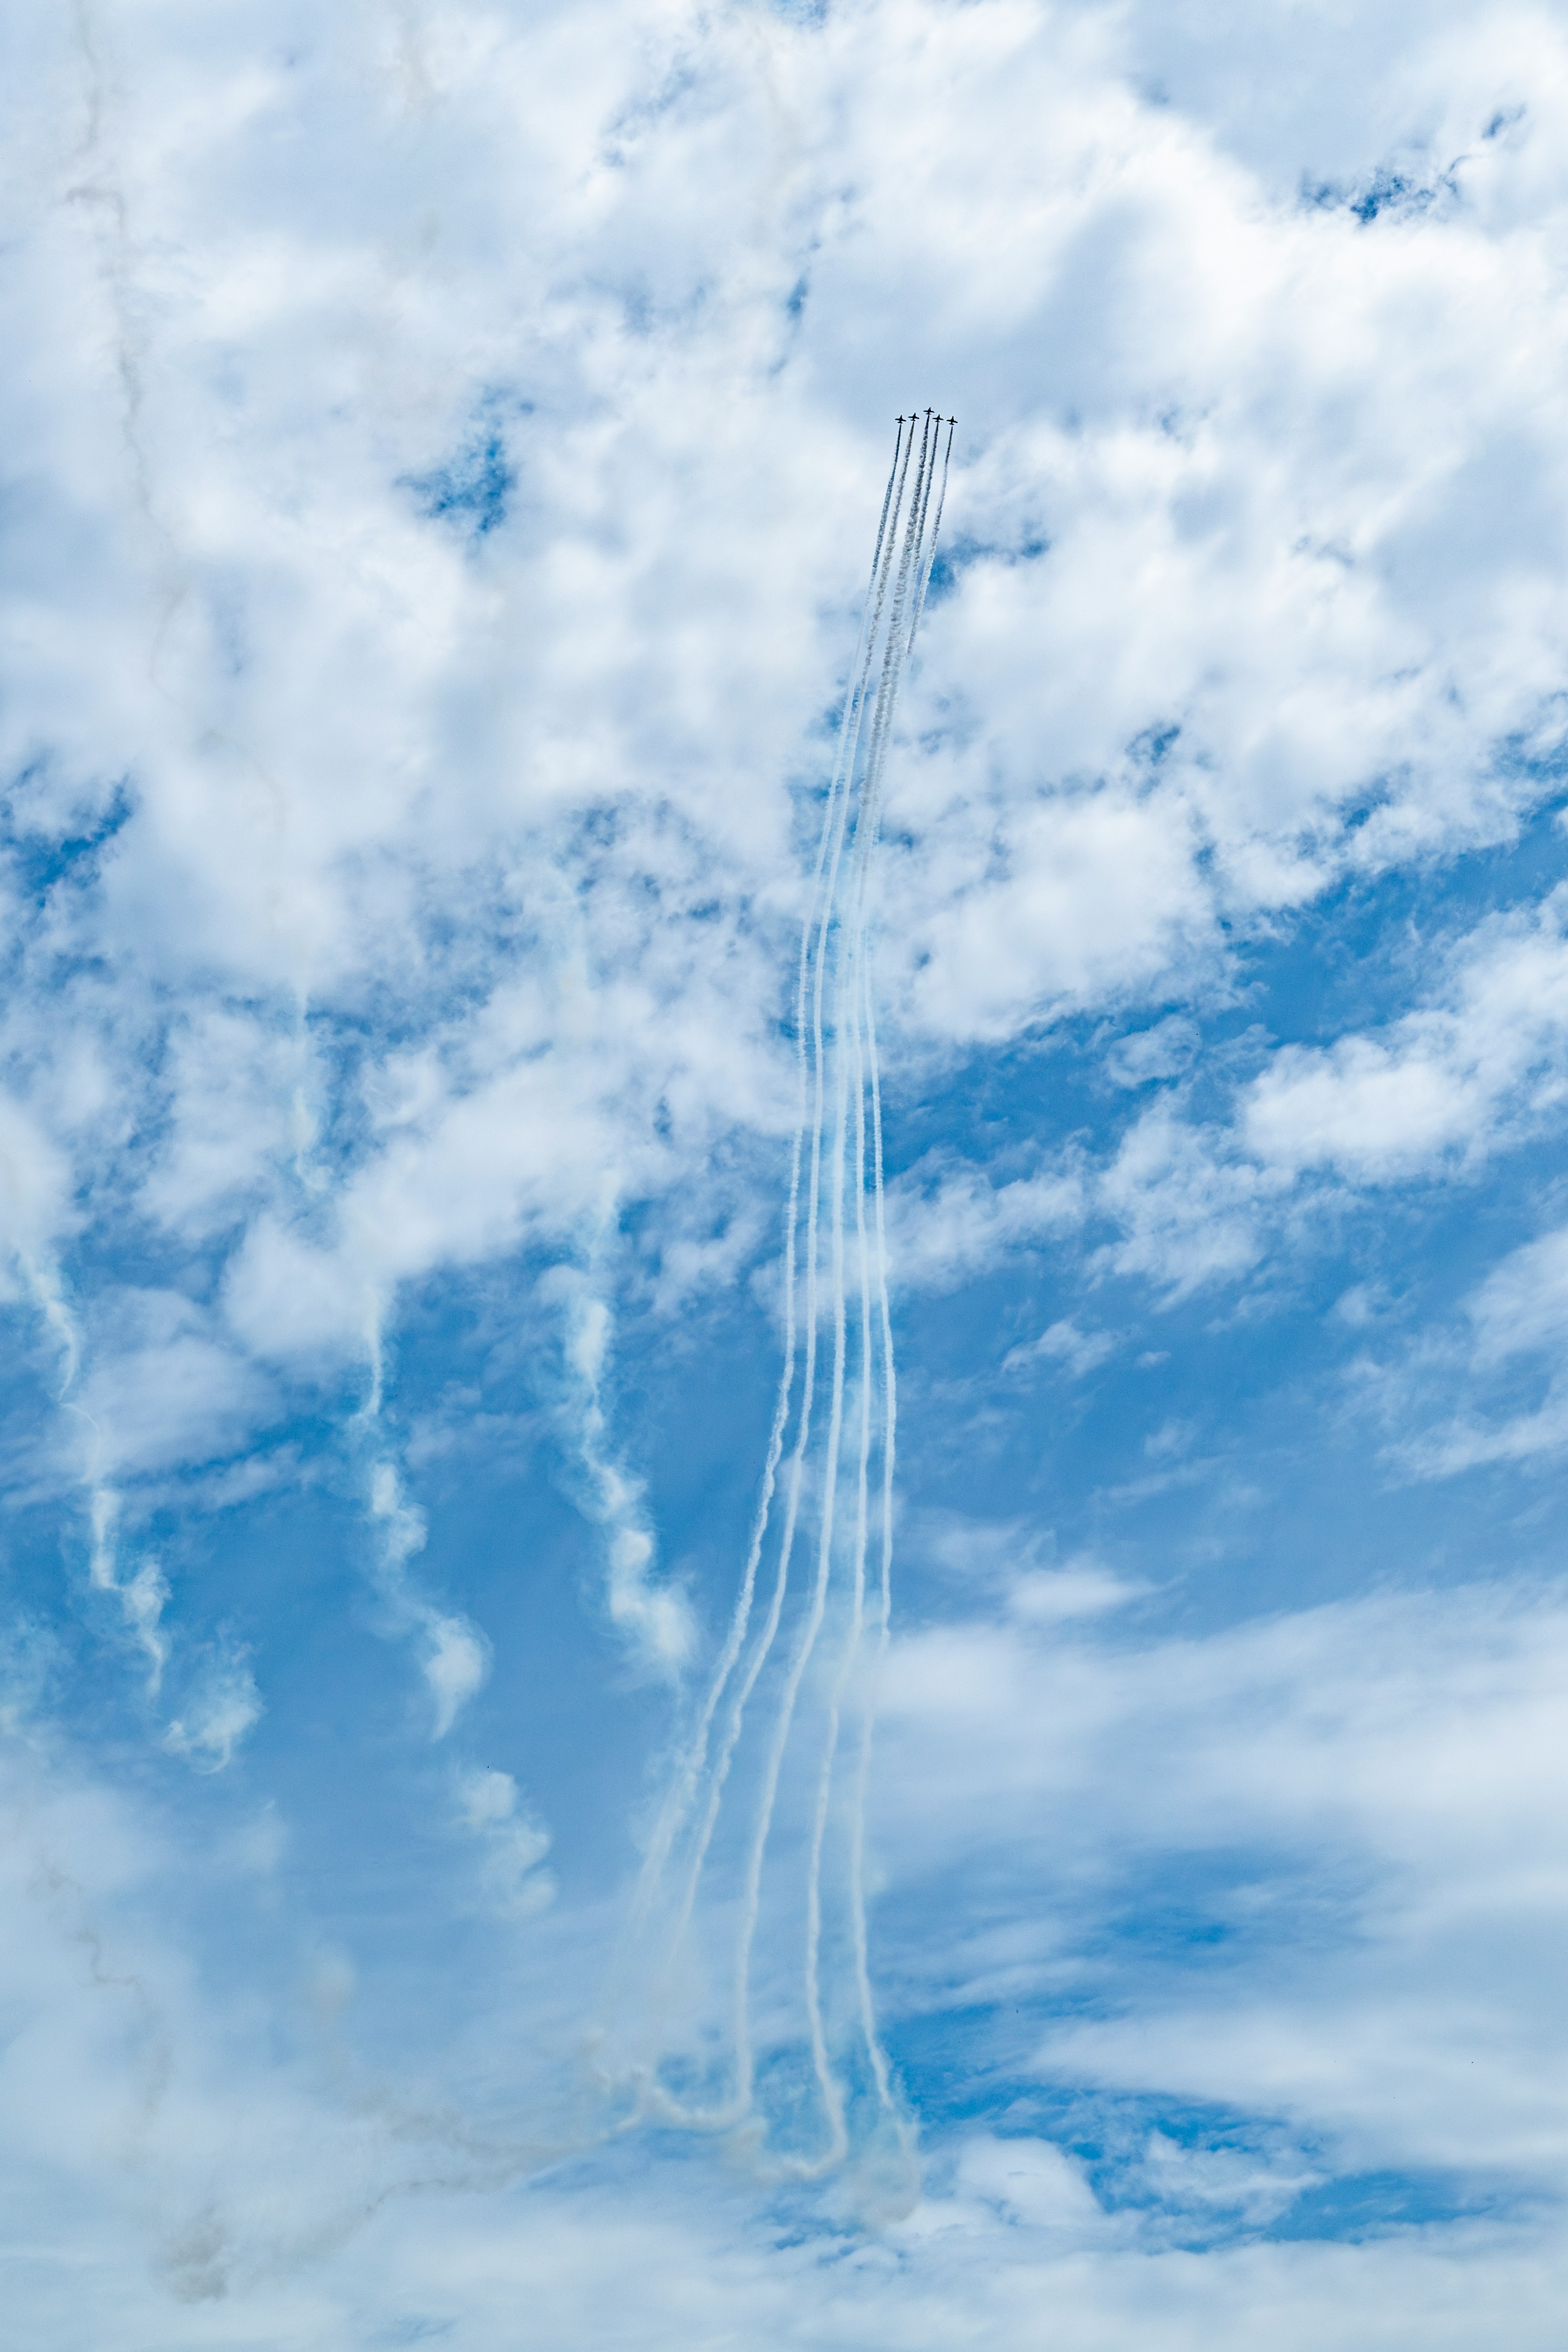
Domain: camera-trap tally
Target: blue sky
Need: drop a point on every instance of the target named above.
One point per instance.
(442, 452)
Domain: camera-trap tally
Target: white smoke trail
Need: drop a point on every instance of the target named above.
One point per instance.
(821, 922)
(935, 532)
(814, 934)
(453, 1653)
(144, 1595)
(850, 949)
(652, 1617)
(684, 1787)
(834, 1025)
(220, 1703)
(875, 2051)
(885, 1594)
(853, 993)
(825, 928)
(832, 2096)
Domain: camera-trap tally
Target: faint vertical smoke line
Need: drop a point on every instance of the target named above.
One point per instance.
(838, 1150)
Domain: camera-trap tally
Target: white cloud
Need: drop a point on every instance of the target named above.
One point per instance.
(453, 1655)
(1083, 1588)
(514, 1843)
(1450, 1401)
(1030, 2179)
(949, 1220)
(239, 1093)
(1376, 1784)
(222, 1708)
(1062, 1343)
(1079, 899)
(34, 1185)
(163, 1388)
(1162, 1052)
(1003, 1558)
(299, 671)
(1190, 1212)
(455, 1663)
(392, 891)
(1217, 567)
(124, 2079)
(1451, 1080)
(1482, 1066)
(1231, 2179)
(1522, 1305)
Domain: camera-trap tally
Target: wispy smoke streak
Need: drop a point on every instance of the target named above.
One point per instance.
(837, 1148)
(144, 1595)
(652, 1617)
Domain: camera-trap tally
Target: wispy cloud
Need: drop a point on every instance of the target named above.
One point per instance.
(436, 499)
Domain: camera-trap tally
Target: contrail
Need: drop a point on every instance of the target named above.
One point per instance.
(678, 1804)
(875, 2051)
(935, 529)
(688, 1778)
(855, 995)
(848, 945)
(820, 923)
(836, 1067)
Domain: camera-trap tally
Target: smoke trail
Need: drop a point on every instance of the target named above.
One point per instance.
(874, 2049)
(835, 1065)
(853, 989)
(866, 1007)
(935, 530)
(144, 1595)
(836, 820)
(832, 2098)
(885, 1594)
(651, 1616)
(220, 1703)
(814, 934)
(684, 1789)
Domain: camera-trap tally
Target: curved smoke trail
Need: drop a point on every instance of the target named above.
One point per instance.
(837, 1148)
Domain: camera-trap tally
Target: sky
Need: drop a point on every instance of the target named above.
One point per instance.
(441, 454)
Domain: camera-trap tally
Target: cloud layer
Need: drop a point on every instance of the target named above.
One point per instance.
(438, 496)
